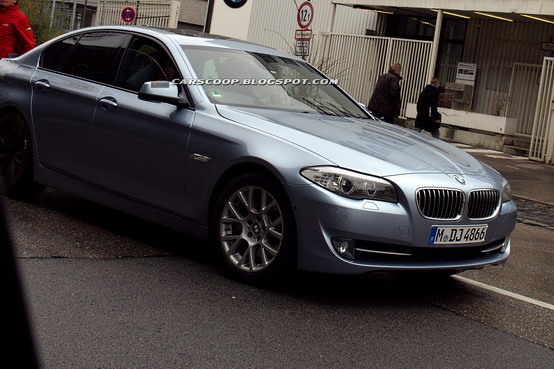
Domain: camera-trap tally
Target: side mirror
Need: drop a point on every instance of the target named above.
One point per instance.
(162, 91)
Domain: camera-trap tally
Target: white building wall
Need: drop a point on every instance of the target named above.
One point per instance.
(273, 22)
(231, 22)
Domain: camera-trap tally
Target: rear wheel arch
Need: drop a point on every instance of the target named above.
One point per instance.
(16, 155)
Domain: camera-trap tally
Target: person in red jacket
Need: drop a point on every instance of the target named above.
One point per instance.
(16, 35)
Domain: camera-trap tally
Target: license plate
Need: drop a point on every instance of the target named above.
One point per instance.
(442, 235)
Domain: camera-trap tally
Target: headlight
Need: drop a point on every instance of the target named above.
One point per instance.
(351, 184)
(506, 191)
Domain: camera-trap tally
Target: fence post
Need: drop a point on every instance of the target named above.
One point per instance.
(543, 130)
(52, 14)
(174, 14)
(550, 132)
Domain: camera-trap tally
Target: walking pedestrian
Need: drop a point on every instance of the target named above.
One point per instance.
(385, 102)
(428, 117)
(16, 35)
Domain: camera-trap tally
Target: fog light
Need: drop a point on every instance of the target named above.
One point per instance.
(506, 244)
(345, 247)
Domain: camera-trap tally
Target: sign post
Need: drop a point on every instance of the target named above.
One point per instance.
(303, 36)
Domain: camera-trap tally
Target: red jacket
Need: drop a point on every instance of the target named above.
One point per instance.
(16, 35)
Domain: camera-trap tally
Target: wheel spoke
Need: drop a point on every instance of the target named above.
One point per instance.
(245, 201)
(265, 260)
(252, 258)
(232, 249)
(268, 248)
(268, 206)
(234, 211)
(3, 143)
(243, 261)
(20, 156)
(275, 233)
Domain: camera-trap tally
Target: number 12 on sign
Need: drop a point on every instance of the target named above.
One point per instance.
(305, 14)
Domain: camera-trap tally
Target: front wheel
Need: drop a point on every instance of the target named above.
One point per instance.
(16, 157)
(254, 230)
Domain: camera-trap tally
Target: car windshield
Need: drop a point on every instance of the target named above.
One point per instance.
(242, 78)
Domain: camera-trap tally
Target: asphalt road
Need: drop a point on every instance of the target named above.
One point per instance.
(106, 290)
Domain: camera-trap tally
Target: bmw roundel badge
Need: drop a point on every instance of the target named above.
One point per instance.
(460, 179)
(235, 3)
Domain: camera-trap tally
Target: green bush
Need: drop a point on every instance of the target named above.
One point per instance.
(39, 14)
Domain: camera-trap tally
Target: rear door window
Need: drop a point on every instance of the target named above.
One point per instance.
(92, 57)
(56, 56)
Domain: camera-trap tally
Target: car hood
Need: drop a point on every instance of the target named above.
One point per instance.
(377, 148)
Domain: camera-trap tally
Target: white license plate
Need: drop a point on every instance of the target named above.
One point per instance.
(442, 235)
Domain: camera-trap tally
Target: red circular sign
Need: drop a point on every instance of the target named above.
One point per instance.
(305, 14)
(128, 14)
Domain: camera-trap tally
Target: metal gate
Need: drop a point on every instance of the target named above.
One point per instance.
(153, 13)
(542, 138)
(524, 88)
(358, 61)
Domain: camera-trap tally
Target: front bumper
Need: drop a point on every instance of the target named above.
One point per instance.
(387, 236)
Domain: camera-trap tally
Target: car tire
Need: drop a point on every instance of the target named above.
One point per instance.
(16, 158)
(253, 230)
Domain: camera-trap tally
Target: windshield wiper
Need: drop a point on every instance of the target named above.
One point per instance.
(320, 107)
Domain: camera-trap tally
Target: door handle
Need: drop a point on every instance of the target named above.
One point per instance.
(108, 103)
(42, 84)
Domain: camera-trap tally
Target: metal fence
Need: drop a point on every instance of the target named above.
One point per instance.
(522, 98)
(542, 138)
(153, 13)
(358, 61)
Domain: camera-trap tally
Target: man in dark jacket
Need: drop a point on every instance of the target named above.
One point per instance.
(428, 117)
(385, 101)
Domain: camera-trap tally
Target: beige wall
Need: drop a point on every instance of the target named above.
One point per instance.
(231, 22)
(193, 12)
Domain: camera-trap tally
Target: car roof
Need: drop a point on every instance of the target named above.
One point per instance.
(190, 37)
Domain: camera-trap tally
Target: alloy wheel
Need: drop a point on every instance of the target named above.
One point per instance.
(14, 150)
(251, 226)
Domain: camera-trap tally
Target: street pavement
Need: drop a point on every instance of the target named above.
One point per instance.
(109, 291)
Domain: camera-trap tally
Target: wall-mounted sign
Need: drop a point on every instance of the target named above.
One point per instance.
(235, 3)
(302, 48)
(305, 15)
(547, 46)
(128, 14)
(303, 34)
(466, 71)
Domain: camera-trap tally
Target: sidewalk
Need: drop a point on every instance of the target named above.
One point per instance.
(532, 183)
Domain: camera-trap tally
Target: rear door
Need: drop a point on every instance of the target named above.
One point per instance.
(66, 86)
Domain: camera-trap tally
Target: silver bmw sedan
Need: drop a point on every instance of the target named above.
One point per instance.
(248, 147)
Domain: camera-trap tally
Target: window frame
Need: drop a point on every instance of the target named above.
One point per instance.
(127, 50)
(112, 68)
